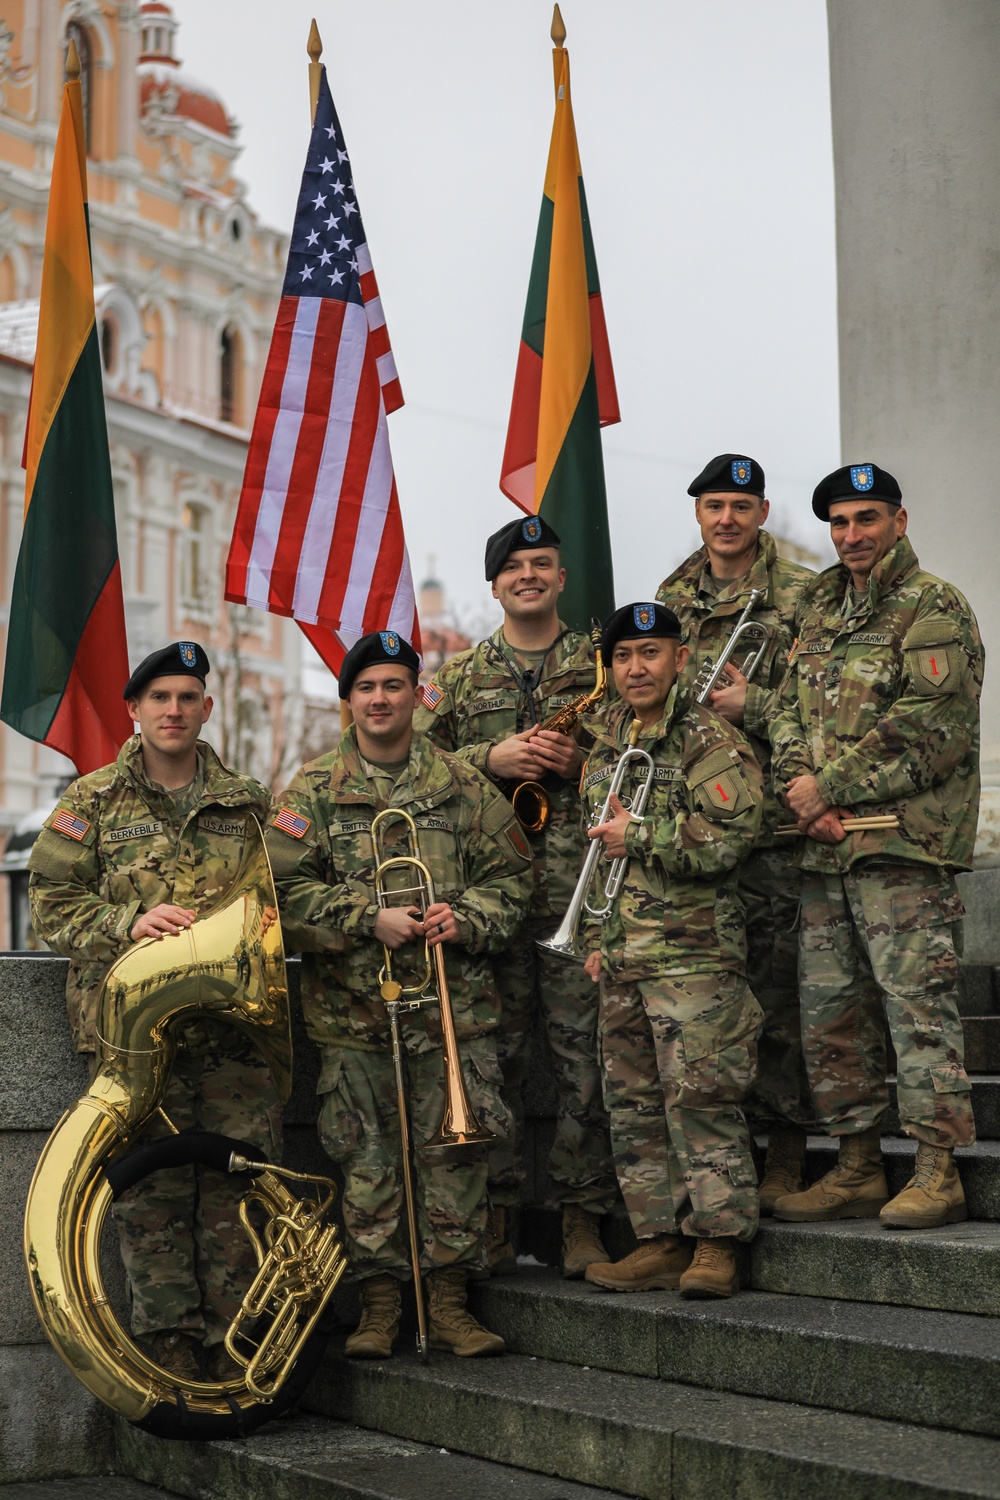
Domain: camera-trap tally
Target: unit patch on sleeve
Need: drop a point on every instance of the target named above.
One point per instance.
(71, 826)
(292, 823)
(432, 694)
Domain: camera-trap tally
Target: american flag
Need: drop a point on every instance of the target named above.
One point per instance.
(318, 532)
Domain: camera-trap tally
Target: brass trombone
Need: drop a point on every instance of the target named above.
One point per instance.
(745, 630)
(459, 1125)
(563, 942)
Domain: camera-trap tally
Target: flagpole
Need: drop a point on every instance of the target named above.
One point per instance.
(558, 35)
(314, 48)
(72, 63)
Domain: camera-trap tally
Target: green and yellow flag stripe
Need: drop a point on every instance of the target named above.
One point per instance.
(564, 388)
(67, 658)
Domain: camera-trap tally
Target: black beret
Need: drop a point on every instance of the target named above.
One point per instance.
(370, 651)
(634, 622)
(516, 536)
(855, 482)
(182, 659)
(728, 473)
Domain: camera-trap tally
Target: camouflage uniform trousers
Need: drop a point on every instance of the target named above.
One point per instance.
(580, 1165)
(186, 1253)
(359, 1129)
(679, 1054)
(769, 891)
(882, 944)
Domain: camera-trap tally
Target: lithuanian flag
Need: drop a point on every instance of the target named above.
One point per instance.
(67, 659)
(564, 389)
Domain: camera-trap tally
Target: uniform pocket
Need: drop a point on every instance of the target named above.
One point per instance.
(924, 955)
(933, 656)
(720, 1055)
(339, 1123)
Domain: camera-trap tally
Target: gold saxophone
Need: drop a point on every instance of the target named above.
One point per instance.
(228, 966)
(530, 799)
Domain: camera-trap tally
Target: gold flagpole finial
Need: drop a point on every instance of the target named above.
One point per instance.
(72, 63)
(314, 47)
(558, 32)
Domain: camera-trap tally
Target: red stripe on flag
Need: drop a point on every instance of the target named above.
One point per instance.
(387, 568)
(356, 469)
(92, 700)
(268, 407)
(369, 287)
(308, 452)
(607, 392)
(392, 396)
(517, 472)
(326, 643)
(379, 340)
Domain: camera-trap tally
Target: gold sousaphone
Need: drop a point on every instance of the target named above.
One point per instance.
(230, 967)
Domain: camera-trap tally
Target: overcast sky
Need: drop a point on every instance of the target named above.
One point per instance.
(704, 135)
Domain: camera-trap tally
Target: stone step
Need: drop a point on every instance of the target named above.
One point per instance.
(952, 1269)
(847, 1356)
(652, 1438)
(311, 1458)
(106, 1487)
(982, 1043)
(978, 990)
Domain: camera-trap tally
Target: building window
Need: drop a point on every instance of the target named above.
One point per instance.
(109, 345)
(75, 32)
(196, 544)
(230, 360)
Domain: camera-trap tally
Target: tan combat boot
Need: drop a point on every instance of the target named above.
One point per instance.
(380, 1308)
(177, 1353)
(784, 1166)
(501, 1257)
(932, 1197)
(713, 1272)
(854, 1189)
(654, 1265)
(581, 1241)
(452, 1326)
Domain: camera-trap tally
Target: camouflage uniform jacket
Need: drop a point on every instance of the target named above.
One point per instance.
(473, 702)
(708, 616)
(324, 868)
(112, 849)
(678, 912)
(881, 702)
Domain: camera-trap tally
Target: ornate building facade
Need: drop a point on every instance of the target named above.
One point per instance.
(187, 281)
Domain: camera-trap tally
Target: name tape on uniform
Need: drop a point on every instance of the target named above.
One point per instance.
(131, 831)
(224, 826)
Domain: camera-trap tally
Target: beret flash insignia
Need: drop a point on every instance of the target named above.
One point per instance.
(862, 477)
(189, 654)
(390, 642)
(531, 529)
(741, 470)
(645, 616)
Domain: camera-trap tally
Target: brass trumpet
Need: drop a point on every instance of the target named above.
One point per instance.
(563, 942)
(745, 630)
(530, 799)
(459, 1125)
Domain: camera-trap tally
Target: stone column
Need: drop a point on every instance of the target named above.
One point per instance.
(916, 121)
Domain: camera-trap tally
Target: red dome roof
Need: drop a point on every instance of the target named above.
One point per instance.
(195, 101)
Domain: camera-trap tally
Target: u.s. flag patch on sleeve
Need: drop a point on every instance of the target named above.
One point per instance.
(432, 694)
(72, 826)
(292, 822)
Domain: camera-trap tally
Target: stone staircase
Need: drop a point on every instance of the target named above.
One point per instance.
(859, 1364)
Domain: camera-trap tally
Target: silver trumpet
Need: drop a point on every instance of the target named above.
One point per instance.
(563, 942)
(746, 631)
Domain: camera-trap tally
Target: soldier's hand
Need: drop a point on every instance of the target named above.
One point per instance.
(805, 800)
(612, 833)
(729, 701)
(559, 753)
(592, 965)
(440, 924)
(396, 925)
(516, 758)
(160, 921)
(827, 829)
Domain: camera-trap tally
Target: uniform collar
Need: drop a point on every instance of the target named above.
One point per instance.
(219, 785)
(426, 770)
(735, 591)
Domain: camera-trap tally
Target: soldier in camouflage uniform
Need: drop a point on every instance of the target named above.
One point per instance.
(486, 704)
(881, 716)
(138, 850)
(324, 864)
(678, 1023)
(709, 593)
